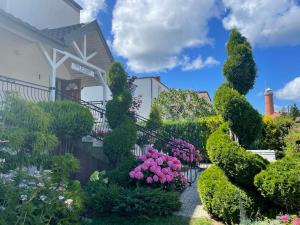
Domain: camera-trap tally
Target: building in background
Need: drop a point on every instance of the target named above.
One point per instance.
(269, 104)
(147, 89)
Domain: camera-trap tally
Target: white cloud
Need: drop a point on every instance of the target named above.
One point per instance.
(198, 63)
(291, 91)
(90, 9)
(265, 22)
(151, 34)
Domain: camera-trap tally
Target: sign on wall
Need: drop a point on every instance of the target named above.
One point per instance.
(81, 69)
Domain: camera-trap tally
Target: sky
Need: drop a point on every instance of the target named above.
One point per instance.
(184, 41)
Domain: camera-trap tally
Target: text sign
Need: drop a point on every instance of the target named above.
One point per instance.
(82, 69)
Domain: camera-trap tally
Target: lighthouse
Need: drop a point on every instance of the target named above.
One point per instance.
(269, 103)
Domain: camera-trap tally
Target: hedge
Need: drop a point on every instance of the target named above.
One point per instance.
(221, 198)
(195, 131)
(238, 164)
(280, 182)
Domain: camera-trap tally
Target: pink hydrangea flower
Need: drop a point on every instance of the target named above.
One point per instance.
(296, 221)
(284, 218)
(149, 180)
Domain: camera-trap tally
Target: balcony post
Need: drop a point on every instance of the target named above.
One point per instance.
(53, 77)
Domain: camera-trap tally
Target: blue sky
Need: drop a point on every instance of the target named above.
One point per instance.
(186, 47)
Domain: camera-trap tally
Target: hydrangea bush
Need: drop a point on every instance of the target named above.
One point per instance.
(185, 152)
(289, 219)
(156, 169)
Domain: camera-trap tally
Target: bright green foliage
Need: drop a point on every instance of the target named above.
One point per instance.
(290, 142)
(280, 182)
(69, 120)
(242, 118)
(63, 166)
(221, 198)
(182, 104)
(240, 68)
(274, 133)
(27, 128)
(118, 143)
(195, 131)
(155, 122)
(117, 78)
(238, 164)
(294, 111)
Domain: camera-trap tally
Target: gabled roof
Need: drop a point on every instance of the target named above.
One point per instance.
(73, 4)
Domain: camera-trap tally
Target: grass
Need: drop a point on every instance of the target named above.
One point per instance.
(171, 220)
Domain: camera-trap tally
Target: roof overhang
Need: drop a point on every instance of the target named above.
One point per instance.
(74, 4)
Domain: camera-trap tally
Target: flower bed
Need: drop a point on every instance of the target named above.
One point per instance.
(159, 170)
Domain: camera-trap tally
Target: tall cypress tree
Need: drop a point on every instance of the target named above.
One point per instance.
(240, 68)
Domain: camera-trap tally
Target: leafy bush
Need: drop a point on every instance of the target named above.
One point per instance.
(27, 128)
(32, 197)
(185, 152)
(147, 202)
(221, 198)
(238, 164)
(195, 131)
(63, 166)
(180, 104)
(243, 119)
(280, 182)
(69, 120)
(118, 143)
(290, 142)
(274, 133)
(159, 170)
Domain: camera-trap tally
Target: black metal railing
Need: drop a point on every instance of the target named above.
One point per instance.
(37, 93)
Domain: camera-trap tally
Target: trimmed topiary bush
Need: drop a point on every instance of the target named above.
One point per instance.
(238, 164)
(280, 182)
(243, 119)
(221, 198)
(118, 143)
(69, 119)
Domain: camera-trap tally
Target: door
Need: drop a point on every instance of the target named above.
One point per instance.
(71, 89)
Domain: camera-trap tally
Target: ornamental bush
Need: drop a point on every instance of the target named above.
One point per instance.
(69, 119)
(118, 143)
(185, 152)
(280, 182)
(238, 164)
(221, 198)
(291, 148)
(243, 119)
(159, 170)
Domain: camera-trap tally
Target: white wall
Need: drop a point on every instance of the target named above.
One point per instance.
(149, 89)
(42, 13)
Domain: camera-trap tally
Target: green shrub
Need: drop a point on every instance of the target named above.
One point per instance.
(118, 143)
(63, 166)
(238, 164)
(274, 133)
(280, 182)
(243, 119)
(103, 200)
(195, 131)
(221, 198)
(147, 202)
(290, 142)
(69, 119)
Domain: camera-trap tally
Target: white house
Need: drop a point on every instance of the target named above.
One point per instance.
(147, 88)
(44, 43)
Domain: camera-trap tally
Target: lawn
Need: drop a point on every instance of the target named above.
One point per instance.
(172, 220)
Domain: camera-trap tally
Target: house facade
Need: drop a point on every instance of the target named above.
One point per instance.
(147, 89)
(44, 43)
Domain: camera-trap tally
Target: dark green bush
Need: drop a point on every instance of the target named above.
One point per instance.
(118, 143)
(238, 164)
(280, 182)
(147, 202)
(63, 166)
(69, 119)
(242, 118)
(221, 198)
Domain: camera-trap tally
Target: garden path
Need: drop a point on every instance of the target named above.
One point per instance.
(191, 204)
